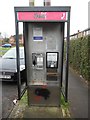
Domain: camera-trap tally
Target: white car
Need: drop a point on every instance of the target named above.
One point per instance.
(8, 67)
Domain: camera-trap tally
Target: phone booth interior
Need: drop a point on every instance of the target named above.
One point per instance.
(44, 46)
(43, 42)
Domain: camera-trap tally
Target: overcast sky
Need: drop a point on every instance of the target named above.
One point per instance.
(79, 14)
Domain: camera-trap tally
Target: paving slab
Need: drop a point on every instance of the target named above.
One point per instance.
(22, 111)
(43, 112)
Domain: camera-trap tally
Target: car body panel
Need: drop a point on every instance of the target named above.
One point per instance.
(8, 67)
(6, 45)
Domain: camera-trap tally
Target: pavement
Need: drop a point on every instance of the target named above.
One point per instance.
(0, 100)
(78, 101)
(78, 95)
(22, 110)
(36, 112)
(9, 93)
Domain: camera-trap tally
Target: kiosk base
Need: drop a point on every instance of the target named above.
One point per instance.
(44, 95)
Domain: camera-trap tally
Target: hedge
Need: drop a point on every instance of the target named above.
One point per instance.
(79, 56)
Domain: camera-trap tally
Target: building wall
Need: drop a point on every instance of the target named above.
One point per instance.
(12, 40)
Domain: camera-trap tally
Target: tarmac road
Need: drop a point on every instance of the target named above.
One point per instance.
(9, 93)
(0, 100)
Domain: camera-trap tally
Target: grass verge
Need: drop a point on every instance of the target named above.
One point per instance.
(65, 108)
(24, 99)
(3, 50)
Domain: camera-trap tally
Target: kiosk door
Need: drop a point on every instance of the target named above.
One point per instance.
(44, 51)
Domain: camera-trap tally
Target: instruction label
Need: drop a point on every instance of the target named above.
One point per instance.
(37, 34)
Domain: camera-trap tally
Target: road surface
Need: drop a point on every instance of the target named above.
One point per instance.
(9, 93)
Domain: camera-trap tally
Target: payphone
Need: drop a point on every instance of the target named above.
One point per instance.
(44, 44)
(37, 60)
(52, 59)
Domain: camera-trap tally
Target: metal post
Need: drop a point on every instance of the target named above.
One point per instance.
(62, 53)
(67, 57)
(18, 58)
(24, 36)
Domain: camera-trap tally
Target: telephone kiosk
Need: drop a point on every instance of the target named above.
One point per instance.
(43, 42)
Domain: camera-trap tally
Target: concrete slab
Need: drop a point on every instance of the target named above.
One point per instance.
(43, 112)
(23, 111)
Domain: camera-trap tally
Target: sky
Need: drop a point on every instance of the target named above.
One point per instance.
(79, 14)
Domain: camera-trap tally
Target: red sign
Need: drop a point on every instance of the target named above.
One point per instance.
(41, 16)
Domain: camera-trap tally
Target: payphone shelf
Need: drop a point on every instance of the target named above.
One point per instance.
(47, 83)
(35, 68)
(52, 74)
(38, 83)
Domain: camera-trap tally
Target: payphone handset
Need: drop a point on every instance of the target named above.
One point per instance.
(37, 60)
(52, 59)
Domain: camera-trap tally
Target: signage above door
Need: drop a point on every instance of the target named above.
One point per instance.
(41, 16)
